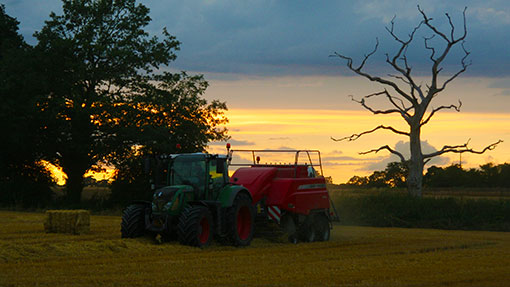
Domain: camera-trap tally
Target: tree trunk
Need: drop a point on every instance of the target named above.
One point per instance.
(415, 178)
(74, 184)
(76, 152)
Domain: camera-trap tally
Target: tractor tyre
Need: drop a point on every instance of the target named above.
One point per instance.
(240, 220)
(195, 226)
(321, 225)
(133, 221)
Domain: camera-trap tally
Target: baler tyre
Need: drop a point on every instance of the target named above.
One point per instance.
(133, 221)
(240, 220)
(289, 227)
(195, 226)
(309, 234)
(321, 226)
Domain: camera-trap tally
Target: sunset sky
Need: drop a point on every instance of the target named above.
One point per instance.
(270, 61)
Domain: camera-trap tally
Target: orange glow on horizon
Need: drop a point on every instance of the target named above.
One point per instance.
(313, 129)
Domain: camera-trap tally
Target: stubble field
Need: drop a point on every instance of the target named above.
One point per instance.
(355, 256)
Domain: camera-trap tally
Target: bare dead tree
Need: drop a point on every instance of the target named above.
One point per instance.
(411, 100)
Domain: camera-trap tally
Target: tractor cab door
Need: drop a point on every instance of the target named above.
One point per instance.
(190, 170)
(218, 176)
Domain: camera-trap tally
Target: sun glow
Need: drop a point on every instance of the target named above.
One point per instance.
(313, 129)
(60, 177)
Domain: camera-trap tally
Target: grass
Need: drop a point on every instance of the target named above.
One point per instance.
(355, 256)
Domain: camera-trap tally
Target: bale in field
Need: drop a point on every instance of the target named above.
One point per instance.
(67, 221)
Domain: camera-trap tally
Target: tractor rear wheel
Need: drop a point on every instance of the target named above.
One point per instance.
(195, 226)
(322, 227)
(240, 220)
(133, 221)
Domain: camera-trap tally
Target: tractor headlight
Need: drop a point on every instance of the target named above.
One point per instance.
(167, 205)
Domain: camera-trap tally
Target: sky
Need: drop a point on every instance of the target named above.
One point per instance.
(270, 61)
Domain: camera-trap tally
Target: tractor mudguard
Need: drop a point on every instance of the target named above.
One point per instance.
(229, 193)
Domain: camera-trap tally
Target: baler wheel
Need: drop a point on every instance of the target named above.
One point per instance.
(195, 226)
(133, 221)
(308, 233)
(322, 227)
(240, 220)
(288, 226)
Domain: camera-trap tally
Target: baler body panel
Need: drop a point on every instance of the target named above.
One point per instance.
(288, 186)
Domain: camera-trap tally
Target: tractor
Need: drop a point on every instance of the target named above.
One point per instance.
(193, 201)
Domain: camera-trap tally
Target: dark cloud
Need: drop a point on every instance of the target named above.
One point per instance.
(345, 158)
(285, 148)
(504, 93)
(503, 85)
(233, 142)
(296, 37)
(279, 139)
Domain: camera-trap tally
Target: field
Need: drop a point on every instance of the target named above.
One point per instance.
(355, 256)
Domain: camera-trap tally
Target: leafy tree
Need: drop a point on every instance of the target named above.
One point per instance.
(23, 179)
(358, 181)
(409, 98)
(104, 97)
(396, 174)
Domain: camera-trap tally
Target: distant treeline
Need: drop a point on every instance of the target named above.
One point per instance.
(396, 209)
(394, 176)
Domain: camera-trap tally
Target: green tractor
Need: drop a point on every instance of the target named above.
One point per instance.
(193, 202)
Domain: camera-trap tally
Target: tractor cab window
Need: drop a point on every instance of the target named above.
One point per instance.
(189, 170)
(217, 172)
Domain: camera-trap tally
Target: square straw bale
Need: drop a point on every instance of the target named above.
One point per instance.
(67, 221)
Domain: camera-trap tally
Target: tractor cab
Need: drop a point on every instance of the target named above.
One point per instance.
(205, 173)
(181, 178)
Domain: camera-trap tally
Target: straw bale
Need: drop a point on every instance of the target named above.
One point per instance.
(67, 221)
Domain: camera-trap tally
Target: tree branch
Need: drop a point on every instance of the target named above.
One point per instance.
(457, 108)
(380, 80)
(401, 55)
(452, 41)
(357, 136)
(386, 147)
(461, 149)
(464, 67)
(401, 110)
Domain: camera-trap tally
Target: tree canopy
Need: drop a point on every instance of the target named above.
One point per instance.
(104, 90)
(23, 179)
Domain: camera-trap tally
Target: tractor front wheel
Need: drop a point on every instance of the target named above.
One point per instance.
(195, 226)
(133, 221)
(241, 220)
